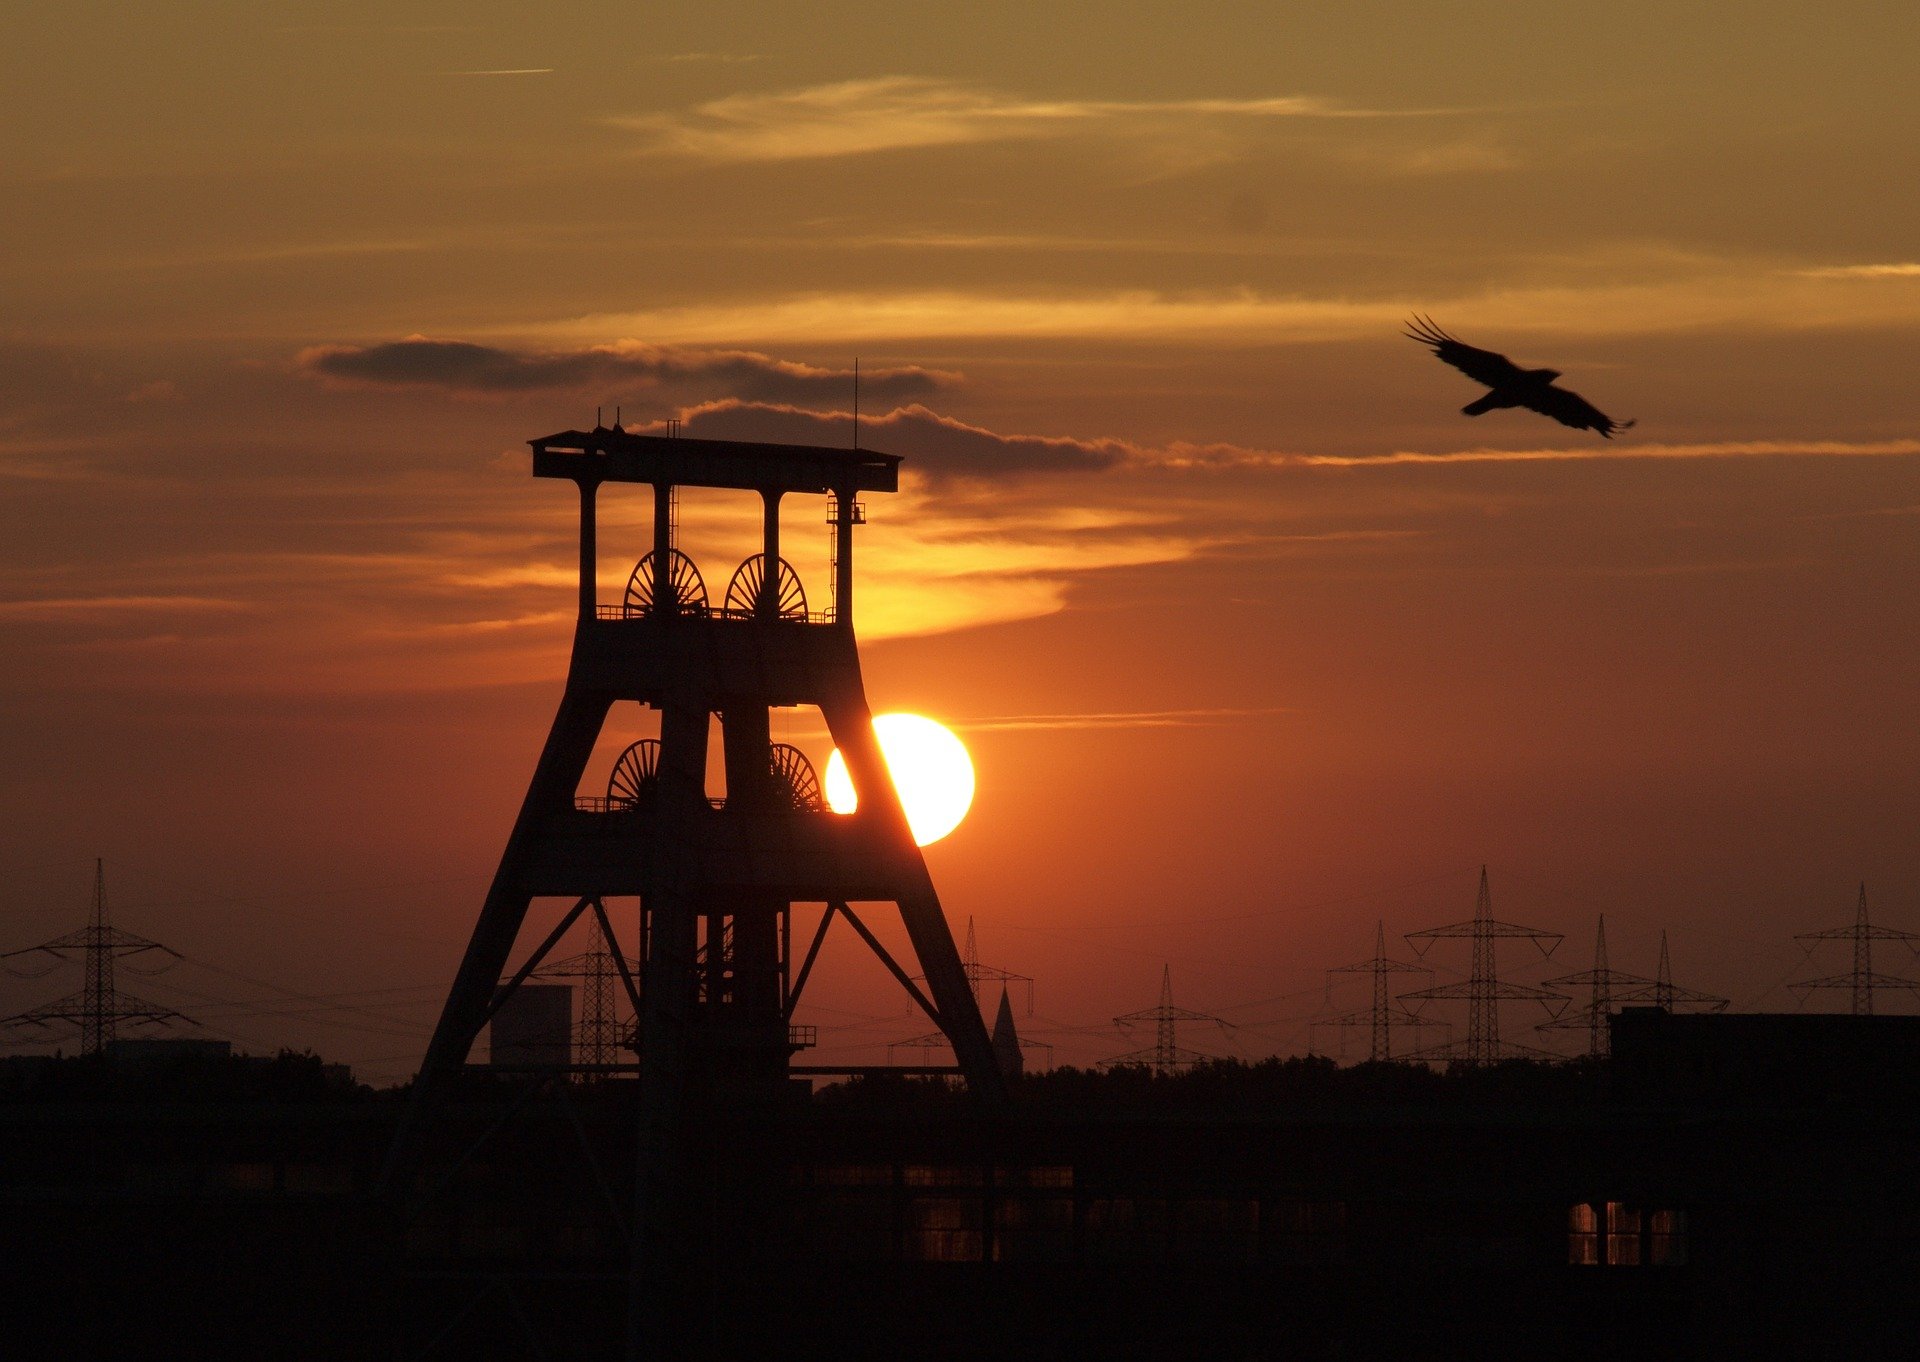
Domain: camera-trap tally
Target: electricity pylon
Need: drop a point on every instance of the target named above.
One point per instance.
(977, 973)
(1861, 979)
(599, 1036)
(1165, 1056)
(1484, 990)
(1669, 998)
(1382, 1016)
(99, 1008)
(1605, 986)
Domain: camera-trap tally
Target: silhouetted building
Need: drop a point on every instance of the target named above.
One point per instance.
(1764, 1058)
(534, 1026)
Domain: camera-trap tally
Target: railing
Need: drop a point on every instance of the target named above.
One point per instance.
(601, 804)
(622, 612)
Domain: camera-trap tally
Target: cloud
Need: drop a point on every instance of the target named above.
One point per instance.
(937, 445)
(94, 607)
(1680, 296)
(467, 367)
(160, 390)
(508, 71)
(1903, 270)
(887, 113)
(1152, 718)
(1724, 449)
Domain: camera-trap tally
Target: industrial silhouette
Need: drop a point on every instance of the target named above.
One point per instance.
(716, 879)
(1166, 1055)
(601, 1041)
(1382, 1016)
(1669, 998)
(1512, 386)
(1861, 979)
(977, 973)
(1484, 990)
(1604, 987)
(100, 1007)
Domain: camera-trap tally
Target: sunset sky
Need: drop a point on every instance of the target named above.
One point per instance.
(1254, 638)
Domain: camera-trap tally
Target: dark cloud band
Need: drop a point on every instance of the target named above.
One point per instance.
(467, 367)
(938, 446)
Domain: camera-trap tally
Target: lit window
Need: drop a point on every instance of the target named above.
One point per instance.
(1583, 1235)
(1621, 1234)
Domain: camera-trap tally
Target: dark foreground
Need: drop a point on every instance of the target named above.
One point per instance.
(1637, 1209)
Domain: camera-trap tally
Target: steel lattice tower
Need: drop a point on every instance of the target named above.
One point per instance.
(1166, 1056)
(977, 973)
(717, 879)
(99, 1008)
(1382, 1016)
(599, 1036)
(1484, 990)
(1667, 997)
(1605, 986)
(1862, 980)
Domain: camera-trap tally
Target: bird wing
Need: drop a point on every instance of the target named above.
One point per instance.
(1571, 409)
(1483, 366)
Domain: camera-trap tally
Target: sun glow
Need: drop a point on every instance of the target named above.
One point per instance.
(930, 768)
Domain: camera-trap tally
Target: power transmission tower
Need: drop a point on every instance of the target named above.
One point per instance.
(1604, 986)
(1166, 1055)
(1862, 980)
(599, 1036)
(1383, 1016)
(1484, 990)
(99, 1008)
(976, 973)
(1669, 998)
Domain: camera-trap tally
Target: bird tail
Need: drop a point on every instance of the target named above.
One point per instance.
(1482, 405)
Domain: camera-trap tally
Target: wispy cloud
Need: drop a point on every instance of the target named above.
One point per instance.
(718, 58)
(466, 367)
(508, 71)
(1724, 449)
(1151, 718)
(95, 607)
(1608, 295)
(886, 113)
(1902, 270)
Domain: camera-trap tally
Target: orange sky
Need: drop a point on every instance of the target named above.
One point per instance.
(1255, 639)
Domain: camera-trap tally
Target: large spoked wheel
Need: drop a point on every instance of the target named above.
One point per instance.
(743, 592)
(680, 592)
(636, 774)
(795, 777)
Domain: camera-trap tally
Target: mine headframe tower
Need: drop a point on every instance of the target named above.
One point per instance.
(716, 880)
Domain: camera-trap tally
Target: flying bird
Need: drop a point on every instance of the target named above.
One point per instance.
(1511, 385)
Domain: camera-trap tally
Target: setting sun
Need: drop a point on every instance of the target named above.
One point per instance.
(930, 768)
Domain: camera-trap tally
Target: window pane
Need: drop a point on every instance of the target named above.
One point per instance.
(1623, 1250)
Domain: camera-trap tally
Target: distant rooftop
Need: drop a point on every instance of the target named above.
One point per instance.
(610, 454)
